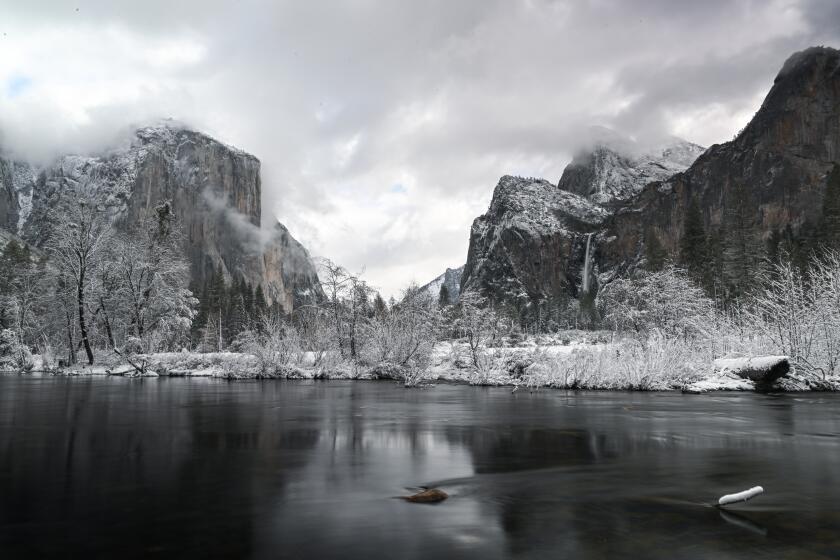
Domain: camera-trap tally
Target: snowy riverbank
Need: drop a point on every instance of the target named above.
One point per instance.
(574, 360)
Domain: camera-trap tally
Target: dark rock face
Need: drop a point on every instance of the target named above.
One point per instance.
(530, 246)
(531, 243)
(215, 192)
(451, 279)
(780, 161)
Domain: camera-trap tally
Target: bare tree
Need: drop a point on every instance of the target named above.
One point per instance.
(799, 312)
(312, 324)
(75, 245)
(475, 320)
(666, 300)
(348, 304)
(406, 335)
(152, 276)
(275, 345)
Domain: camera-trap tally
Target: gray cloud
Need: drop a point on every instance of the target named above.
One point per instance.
(343, 100)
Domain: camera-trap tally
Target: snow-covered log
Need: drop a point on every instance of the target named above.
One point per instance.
(741, 496)
(761, 369)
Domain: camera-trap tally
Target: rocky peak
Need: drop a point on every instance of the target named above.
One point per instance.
(535, 247)
(215, 191)
(612, 168)
(800, 112)
(451, 279)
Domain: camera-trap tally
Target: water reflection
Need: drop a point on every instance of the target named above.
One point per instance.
(114, 467)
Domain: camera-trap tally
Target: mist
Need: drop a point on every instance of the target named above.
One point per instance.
(380, 145)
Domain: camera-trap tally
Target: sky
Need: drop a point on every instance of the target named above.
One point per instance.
(383, 126)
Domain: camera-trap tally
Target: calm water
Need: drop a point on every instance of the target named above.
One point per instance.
(123, 468)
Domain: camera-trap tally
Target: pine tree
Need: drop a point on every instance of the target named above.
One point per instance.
(248, 297)
(217, 291)
(654, 251)
(237, 321)
(693, 240)
(260, 303)
(713, 272)
(443, 296)
(741, 252)
(830, 222)
(203, 311)
(380, 308)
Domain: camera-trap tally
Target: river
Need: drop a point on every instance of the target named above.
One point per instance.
(138, 468)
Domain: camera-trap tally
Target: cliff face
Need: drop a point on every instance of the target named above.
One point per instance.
(451, 278)
(531, 243)
(777, 166)
(614, 169)
(530, 247)
(215, 192)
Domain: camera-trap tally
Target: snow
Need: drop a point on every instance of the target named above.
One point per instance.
(741, 496)
(23, 182)
(719, 383)
(618, 168)
(537, 206)
(738, 366)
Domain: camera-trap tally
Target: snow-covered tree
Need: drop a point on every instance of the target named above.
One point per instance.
(666, 300)
(475, 320)
(152, 277)
(799, 312)
(77, 242)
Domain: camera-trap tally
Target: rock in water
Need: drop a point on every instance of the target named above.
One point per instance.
(430, 496)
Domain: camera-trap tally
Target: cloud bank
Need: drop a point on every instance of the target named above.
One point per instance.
(383, 126)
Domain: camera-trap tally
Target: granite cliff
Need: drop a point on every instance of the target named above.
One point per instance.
(215, 192)
(541, 243)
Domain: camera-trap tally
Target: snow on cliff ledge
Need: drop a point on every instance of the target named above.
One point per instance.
(613, 168)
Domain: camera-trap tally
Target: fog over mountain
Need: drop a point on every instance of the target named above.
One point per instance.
(383, 127)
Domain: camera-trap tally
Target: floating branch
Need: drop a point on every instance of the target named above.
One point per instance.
(740, 496)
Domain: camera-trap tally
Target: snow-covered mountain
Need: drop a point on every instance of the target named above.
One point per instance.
(532, 240)
(215, 191)
(614, 168)
(451, 279)
(537, 242)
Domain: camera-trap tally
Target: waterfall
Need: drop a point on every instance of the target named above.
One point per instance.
(584, 288)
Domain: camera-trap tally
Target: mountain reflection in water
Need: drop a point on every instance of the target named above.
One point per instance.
(126, 468)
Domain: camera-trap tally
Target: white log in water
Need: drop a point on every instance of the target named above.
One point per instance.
(584, 288)
(741, 496)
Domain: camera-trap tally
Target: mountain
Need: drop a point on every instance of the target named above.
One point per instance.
(215, 191)
(451, 279)
(542, 245)
(530, 244)
(614, 168)
(770, 181)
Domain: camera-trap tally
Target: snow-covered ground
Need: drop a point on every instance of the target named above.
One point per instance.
(569, 360)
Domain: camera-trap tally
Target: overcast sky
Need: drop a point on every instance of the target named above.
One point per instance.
(383, 126)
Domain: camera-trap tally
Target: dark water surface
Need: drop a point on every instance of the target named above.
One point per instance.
(127, 468)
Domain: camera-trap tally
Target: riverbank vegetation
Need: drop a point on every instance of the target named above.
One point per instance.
(120, 303)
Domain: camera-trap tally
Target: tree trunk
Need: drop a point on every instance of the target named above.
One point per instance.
(108, 330)
(82, 326)
(71, 348)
